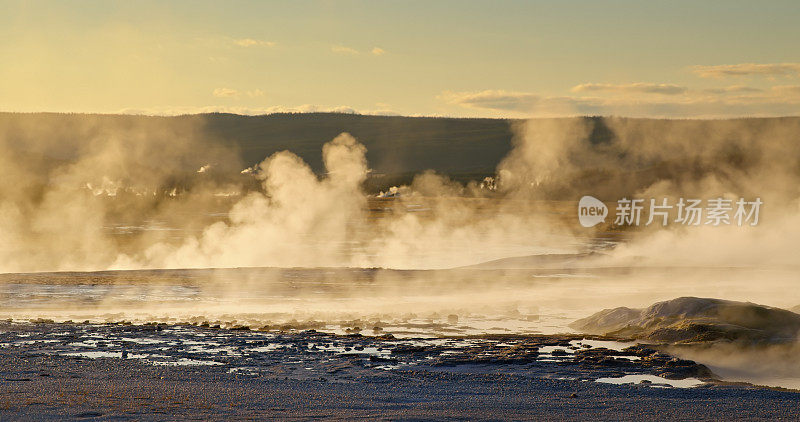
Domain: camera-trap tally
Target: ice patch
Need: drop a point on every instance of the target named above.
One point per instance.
(652, 380)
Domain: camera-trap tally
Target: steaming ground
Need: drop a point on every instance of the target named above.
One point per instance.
(238, 269)
(344, 343)
(520, 295)
(117, 176)
(542, 299)
(438, 301)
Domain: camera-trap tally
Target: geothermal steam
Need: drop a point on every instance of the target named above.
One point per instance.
(62, 189)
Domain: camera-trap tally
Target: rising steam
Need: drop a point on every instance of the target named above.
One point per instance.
(87, 196)
(63, 190)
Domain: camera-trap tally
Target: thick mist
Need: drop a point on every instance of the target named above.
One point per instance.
(68, 192)
(504, 254)
(64, 187)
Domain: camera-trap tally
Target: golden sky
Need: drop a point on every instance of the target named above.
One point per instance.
(452, 58)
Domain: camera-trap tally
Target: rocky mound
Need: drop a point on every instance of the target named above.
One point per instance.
(692, 319)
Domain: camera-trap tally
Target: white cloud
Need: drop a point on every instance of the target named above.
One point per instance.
(250, 42)
(789, 90)
(779, 101)
(255, 93)
(733, 89)
(637, 87)
(492, 99)
(235, 93)
(225, 93)
(340, 49)
(747, 69)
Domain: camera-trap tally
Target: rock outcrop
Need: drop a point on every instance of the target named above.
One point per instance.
(692, 319)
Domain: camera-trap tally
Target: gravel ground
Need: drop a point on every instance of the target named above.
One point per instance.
(48, 372)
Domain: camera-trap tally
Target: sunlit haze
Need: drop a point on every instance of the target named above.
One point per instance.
(444, 58)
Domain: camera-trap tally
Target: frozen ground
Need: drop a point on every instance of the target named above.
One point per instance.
(110, 371)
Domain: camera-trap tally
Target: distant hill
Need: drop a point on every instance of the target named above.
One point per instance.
(397, 147)
(394, 144)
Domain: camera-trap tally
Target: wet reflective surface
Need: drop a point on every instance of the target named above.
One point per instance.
(226, 308)
(310, 354)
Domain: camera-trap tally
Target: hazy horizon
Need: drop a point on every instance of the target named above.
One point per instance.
(459, 59)
(410, 116)
(341, 209)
